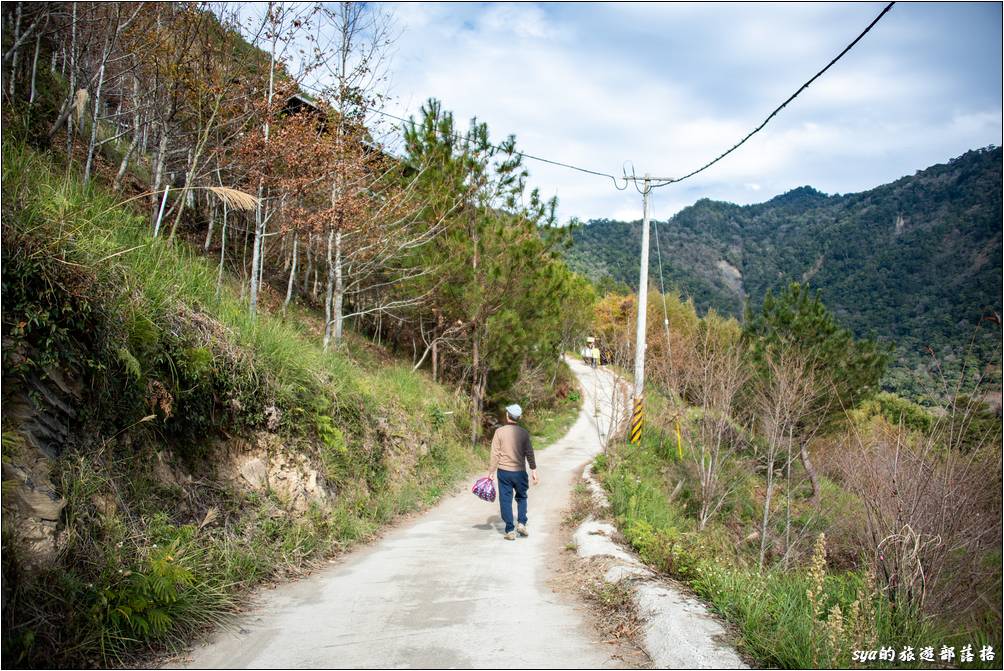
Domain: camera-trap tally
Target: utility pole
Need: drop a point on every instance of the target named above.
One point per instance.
(639, 349)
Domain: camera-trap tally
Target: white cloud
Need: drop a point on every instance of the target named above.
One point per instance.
(669, 86)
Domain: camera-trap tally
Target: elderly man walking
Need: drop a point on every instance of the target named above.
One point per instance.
(510, 449)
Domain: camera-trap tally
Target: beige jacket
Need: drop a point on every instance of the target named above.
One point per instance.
(510, 448)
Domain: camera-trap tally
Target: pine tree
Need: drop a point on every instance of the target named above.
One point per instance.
(846, 370)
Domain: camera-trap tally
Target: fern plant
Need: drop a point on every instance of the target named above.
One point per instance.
(140, 606)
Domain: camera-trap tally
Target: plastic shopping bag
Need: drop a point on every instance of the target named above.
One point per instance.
(484, 488)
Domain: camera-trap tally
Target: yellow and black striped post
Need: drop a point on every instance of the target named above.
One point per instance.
(636, 419)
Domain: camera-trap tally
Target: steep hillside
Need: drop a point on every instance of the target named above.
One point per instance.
(916, 262)
(163, 451)
(178, 427)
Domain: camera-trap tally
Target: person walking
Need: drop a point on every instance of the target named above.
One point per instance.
(511, 453)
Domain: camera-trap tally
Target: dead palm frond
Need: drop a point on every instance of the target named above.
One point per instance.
(238, 200)
(80, 103)
(210, 517)
(234, 198)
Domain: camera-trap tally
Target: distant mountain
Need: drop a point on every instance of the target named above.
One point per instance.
(917, 261)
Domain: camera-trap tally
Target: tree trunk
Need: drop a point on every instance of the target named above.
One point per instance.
(435, 346)
(160, 212)
(803, 453)
(209, 228)
(482, 391)
(223, 250)
(787, 507)
(244, 264)
(34, 69)
(158, 175)
(330, 290)
(73, 87)
(259, 229)
(117, 182)
(766, 512)
(475, 395)
(292, 274)
(13, 60)
(339, 290)
(186, 192)
(264, 248)
(96, 102)
(309, 267)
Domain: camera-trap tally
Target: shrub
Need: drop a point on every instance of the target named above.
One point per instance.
(932, 533)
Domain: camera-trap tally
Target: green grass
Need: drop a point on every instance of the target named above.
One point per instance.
(87, 290)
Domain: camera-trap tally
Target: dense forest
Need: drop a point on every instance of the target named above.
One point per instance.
(915, 262)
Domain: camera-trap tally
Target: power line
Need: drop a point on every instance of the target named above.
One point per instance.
(658, 182)
(664, 182)
(523, 154)
(519, 153)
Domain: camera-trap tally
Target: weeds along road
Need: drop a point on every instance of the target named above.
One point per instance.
(443, 590)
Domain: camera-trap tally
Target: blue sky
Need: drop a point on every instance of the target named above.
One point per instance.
(670, 86)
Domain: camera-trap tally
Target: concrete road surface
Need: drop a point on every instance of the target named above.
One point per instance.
(444, 590)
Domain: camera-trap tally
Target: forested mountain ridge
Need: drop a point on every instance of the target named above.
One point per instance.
(916, 262)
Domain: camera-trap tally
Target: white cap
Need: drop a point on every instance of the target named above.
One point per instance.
(514, 410)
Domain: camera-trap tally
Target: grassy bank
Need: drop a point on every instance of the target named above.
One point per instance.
(813, 611)
(547, 425)
(170, 371)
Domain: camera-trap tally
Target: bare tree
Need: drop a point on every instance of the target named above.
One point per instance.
(714, 380)
(114, 24)
(38, 16)
(782, 403)
(355, 74)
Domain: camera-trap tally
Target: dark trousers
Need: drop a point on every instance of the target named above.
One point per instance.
(509, 481)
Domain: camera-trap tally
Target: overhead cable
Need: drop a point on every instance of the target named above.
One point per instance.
(523, 154)
(518, 153)
(780, 107)
(659, 182)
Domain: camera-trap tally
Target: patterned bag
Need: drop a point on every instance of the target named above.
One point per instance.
(484, 488)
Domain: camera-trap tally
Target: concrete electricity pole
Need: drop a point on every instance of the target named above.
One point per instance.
(647, 181)
(639, 349)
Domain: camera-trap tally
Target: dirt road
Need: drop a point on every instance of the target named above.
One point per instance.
(444, 590)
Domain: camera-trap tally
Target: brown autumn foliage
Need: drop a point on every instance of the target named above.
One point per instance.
(932, 513)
